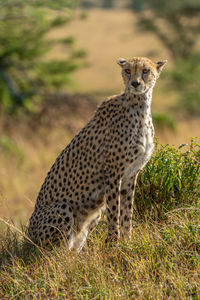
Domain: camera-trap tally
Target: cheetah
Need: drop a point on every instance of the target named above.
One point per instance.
(98, 170)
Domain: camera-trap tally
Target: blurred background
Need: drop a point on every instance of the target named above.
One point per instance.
(58, 62)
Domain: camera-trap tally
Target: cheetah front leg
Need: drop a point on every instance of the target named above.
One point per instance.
(112, 207)
(127, 191)
(85, 228)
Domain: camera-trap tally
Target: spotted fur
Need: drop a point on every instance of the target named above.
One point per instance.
(99, 168)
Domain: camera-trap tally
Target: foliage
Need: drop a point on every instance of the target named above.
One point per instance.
(185, 77)
(170, 180)
(175, 22)
(25, 73)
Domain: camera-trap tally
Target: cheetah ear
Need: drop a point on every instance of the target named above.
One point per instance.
(160, 65)
(121, 62)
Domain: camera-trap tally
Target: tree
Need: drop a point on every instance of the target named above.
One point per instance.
(25, 73)
(177, 24)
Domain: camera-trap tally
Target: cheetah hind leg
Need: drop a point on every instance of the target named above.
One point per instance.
(52, 224)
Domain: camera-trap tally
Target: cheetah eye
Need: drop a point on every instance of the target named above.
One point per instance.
(128, 71)
(145, 71)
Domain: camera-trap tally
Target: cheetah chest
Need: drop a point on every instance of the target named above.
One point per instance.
(145, 146)
(142, 149)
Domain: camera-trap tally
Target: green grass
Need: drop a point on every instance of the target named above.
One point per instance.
(162, 260)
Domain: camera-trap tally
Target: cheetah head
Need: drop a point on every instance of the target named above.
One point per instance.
(140, 73)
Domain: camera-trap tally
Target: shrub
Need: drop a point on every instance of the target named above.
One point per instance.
(170, 180)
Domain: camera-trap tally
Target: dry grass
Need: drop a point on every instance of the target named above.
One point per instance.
(162, 261)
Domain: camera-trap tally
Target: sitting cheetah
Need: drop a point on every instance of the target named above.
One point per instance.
(99, 168)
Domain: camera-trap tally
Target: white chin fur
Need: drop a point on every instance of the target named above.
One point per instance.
(135, 92)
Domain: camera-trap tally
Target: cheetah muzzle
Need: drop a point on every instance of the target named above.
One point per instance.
(98, 170)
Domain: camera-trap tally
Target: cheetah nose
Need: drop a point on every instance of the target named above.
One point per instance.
(135, 84)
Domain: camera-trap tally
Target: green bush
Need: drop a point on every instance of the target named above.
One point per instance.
(170, 180)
